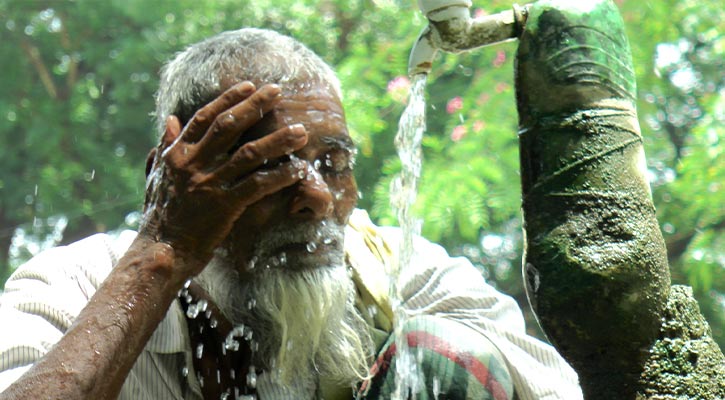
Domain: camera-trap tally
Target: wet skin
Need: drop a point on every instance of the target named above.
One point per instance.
(326, 194)
(264, 158)
(209, 191)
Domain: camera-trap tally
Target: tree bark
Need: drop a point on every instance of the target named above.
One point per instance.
(595, 265)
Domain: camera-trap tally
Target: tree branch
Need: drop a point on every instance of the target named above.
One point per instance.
(677, 245)
(67, 44)
(33, 55)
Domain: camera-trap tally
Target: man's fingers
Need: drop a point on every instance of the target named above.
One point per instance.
(231, 124)
(205, 116)
(170, 149)
(172, 131)
(261, 184)
(266, 149)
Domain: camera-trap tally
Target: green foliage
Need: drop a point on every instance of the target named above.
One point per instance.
(79, 76)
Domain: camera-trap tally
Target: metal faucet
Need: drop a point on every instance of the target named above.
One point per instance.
(452, 29)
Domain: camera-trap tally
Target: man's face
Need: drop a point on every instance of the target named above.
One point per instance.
(301, 226)
(285, 253)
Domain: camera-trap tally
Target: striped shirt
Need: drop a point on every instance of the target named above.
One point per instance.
(43, 297)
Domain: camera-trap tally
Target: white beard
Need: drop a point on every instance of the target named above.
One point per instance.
(300, 316)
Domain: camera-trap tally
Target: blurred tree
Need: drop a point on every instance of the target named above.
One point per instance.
(79, 78)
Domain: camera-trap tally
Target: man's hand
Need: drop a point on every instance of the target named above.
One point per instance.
(202, 184)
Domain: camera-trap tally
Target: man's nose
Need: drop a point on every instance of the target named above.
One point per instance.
(312, 198)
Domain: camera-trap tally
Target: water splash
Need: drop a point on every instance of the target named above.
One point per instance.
(403, 192)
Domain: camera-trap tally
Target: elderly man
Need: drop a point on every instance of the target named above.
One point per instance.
(252, 275)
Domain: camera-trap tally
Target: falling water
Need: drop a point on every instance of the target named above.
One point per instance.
(403, 192)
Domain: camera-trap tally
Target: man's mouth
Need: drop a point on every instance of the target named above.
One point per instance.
(298, 246)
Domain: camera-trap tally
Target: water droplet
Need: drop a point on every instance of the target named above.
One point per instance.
(251, 303)
(213, 323)
(252, 377)
(252, 263)
(311, 247)
(232, 373)
(317, 164)
(283, 258)
(192, 312)
(327, 240)
(218, 376)
(248, 334)
(232, 345)
(224, 396)
(207, 314)
(301, 174)
(187, 284)
(185, 372)
(229, 342)
(328, 162)
(202, 305)
(199, 350)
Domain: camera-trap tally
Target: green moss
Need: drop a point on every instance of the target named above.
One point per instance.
(596, 266)
(684, 362)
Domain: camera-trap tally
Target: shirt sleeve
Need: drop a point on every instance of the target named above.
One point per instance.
(42, 299)
(452, 288)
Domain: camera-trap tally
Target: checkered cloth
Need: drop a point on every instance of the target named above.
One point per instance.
(450, 362)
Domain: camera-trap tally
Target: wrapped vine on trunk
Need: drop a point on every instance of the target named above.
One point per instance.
(595, 266)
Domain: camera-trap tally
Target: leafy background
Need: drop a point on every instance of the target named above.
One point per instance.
(78, 79)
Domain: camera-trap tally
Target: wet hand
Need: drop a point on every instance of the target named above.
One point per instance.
(203, 182)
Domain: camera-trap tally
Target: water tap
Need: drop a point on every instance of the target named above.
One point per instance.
(452, 29)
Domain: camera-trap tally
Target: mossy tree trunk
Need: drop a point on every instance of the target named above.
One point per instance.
(595, 266)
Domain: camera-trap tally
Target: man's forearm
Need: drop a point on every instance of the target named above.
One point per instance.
(94, 356)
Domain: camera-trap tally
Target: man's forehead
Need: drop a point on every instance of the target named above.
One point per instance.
(312, 97)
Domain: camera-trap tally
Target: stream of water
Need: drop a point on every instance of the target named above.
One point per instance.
(403, 192)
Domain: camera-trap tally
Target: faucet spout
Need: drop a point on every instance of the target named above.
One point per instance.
(422, 55)
(452, 29)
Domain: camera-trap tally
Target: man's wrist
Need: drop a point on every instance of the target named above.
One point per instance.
(161, 261)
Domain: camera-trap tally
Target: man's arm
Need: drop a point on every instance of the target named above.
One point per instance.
(175, 242)
(96, 353)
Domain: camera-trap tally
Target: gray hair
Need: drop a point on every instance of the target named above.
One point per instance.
(192, 78)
